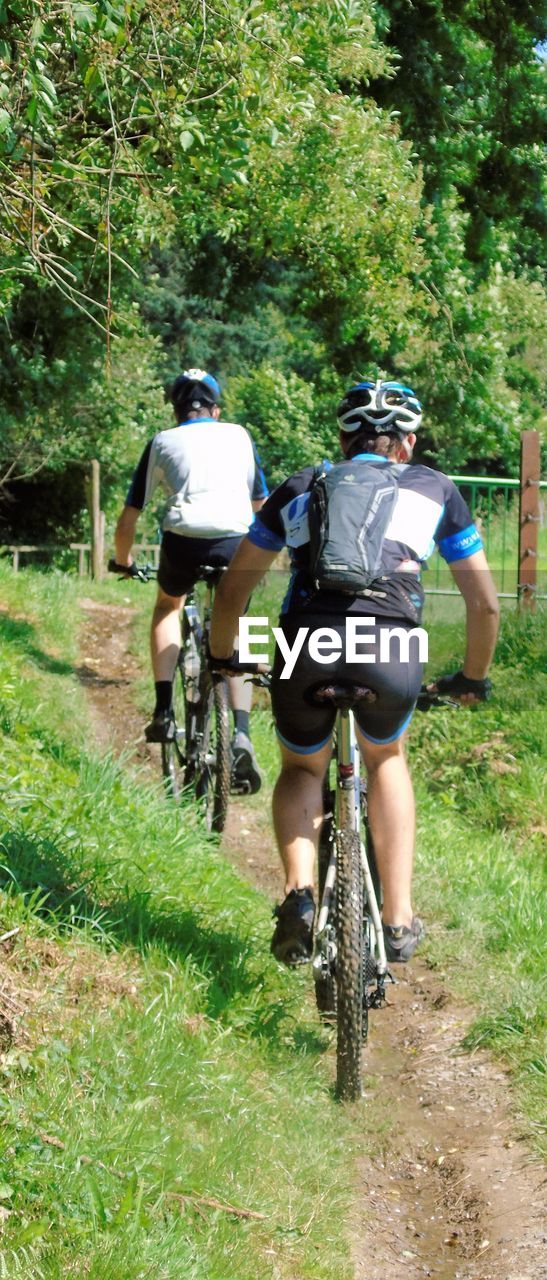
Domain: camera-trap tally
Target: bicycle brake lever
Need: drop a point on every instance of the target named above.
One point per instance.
(261, 682)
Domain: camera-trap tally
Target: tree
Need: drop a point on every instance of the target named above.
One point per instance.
(126, 125)
(470, 96)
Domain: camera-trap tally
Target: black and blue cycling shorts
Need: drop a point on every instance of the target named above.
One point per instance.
(182, 559)
(305, 727)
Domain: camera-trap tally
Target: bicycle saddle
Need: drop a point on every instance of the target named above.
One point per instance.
(343, 696)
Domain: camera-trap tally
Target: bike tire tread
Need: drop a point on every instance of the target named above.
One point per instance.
(349, 966)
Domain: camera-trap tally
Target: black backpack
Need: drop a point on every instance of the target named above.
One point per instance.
(350, 507)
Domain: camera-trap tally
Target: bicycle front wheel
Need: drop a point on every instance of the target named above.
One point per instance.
(215, 757)
(172, 753)
(349, 966)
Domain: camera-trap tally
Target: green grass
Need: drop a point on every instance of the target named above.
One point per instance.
(209, 1080)
(205, 1073)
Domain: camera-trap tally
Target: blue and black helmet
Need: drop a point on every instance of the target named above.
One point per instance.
(195, 389)
(386, 407)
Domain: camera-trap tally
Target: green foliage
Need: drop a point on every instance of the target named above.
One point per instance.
(282, 413)
(304, 190)
(124, 119)
(127, 126)
(60, 411)
(469, 95)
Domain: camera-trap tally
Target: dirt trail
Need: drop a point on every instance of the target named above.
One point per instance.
(457, 1195)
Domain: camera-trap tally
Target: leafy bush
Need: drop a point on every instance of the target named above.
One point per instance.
(281, 411)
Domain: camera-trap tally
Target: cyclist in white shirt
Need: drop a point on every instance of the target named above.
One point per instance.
(212, 480)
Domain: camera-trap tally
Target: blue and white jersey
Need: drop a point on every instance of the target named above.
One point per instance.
(210, 474)
(429, 512)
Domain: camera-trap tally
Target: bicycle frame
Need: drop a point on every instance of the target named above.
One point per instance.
(348, 812)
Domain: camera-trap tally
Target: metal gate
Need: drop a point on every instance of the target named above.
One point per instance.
(494, 507)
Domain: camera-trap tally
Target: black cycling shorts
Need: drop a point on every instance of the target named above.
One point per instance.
(305, 727)
(182, 559)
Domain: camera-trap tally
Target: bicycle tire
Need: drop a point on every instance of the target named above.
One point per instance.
(215, 757)
(325, 984)
(172, 753)
(191, 704)
(349, 966)
(370, 970)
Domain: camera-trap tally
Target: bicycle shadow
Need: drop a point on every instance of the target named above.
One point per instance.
(225, 961)
(21, 636)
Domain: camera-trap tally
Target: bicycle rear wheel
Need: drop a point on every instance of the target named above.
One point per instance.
(349, 966)
(215, 756)
(172, 753)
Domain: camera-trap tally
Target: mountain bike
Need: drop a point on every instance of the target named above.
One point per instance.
(198, 755)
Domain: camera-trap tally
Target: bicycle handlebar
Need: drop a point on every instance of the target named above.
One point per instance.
(141, 572)
(208, 573)
(261, 676)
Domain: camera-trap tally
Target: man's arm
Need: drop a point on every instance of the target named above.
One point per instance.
(141, 487)
(473, 578)
(232, 594)
(125, 534)
(257, 504)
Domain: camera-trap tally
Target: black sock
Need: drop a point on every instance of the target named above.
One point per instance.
(164, 695)
(241, 722)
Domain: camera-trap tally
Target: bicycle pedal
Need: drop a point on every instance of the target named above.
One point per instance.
(240, 788)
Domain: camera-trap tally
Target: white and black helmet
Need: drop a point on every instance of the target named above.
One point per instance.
(386, 407)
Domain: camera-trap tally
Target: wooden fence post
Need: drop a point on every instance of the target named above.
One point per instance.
(97, 522)
(528, 519)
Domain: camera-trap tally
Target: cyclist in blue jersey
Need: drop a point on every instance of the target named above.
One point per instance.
(211, 477)
(378, 423)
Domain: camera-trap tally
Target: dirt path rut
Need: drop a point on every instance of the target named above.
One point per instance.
(456, 1195)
